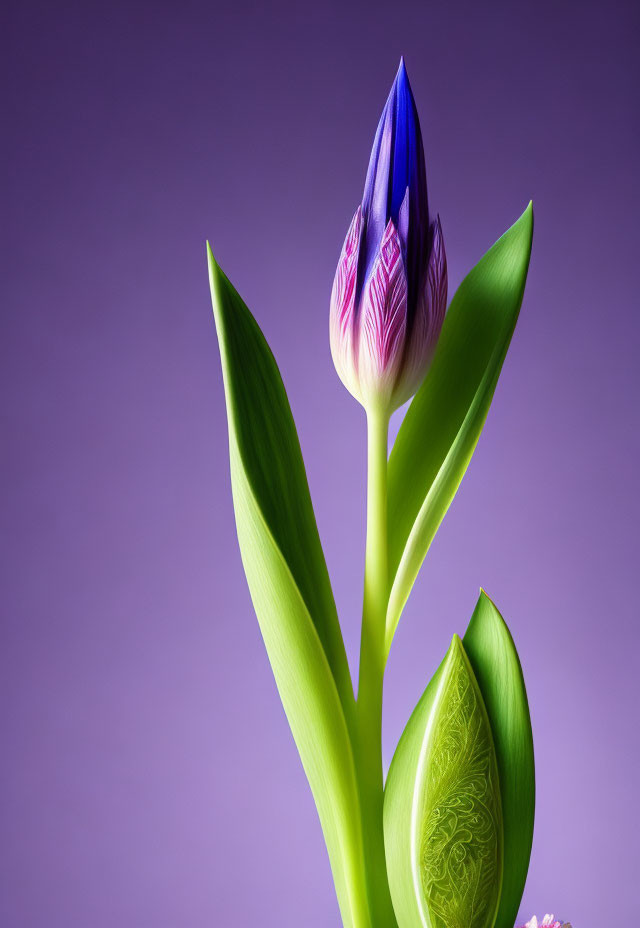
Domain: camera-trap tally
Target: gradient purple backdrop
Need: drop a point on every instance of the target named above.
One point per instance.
(149, 779)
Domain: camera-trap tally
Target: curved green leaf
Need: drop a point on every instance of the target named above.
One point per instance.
(270, 456)
(289, 585)
(494, 659)
(442, 816)
(398, 810)
(441, 428)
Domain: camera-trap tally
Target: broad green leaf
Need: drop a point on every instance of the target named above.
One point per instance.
(441, 428)
(264, 431)
(289, 585)
(442, 816)
(399, 797)
(494, 659)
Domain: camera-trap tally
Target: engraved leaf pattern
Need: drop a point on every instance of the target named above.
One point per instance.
(460, 858)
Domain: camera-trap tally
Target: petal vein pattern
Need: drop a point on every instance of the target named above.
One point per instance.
(343, 333)
(384, 315)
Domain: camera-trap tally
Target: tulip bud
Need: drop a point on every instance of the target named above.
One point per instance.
(390, 289)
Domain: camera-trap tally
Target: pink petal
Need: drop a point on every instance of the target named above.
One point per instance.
(342, 314)
(547, 922)
(427, 323)
(383, 320)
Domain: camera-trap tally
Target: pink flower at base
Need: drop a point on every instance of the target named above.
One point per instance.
(547, 922)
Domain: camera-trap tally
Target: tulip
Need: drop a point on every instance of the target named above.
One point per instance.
(387, 308)
(390, 288)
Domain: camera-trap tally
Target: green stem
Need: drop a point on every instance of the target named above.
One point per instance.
(371, 676)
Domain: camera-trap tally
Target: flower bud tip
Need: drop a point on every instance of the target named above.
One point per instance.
(390, 290)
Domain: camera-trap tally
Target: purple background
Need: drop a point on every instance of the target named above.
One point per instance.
(148, 776)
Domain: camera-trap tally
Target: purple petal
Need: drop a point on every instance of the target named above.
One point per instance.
(427, 322)
(396, 165)
(403, 223)
(383, 319)
(437, 282)
(342, 315)
(376, 188)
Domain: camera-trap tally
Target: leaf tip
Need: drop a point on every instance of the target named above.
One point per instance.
(487, 615)
(215, 286)
(211, 261)
(527, 218)
(456, 648)
(485, 598)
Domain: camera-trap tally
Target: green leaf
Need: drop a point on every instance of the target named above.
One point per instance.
(289, 586)
(494, 659)
(441, 428)
(261, 424)
(442, 817)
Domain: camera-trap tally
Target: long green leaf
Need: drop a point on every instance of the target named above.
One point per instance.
(289, 585)
(442, 426)
(263, 427)
(494, 659)
(442, 817)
